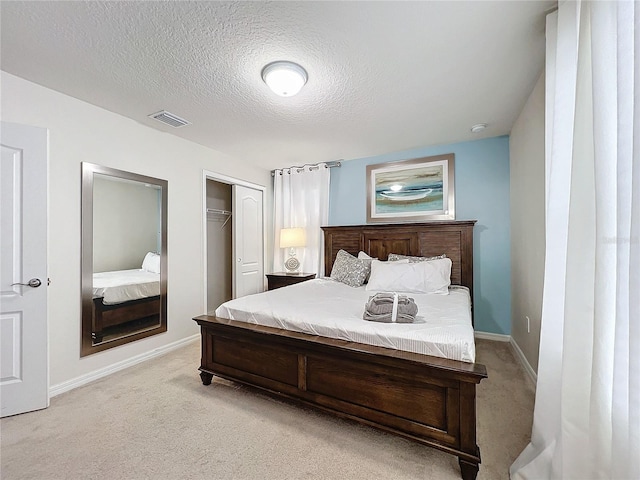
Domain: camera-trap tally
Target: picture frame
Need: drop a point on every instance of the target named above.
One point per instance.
(416, 190)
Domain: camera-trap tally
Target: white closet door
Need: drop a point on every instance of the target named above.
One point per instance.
(248, 238)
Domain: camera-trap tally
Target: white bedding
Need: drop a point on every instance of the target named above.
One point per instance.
(332, 309)
(124, 285)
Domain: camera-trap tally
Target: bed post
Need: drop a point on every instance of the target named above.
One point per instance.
(469, 470)
(206, 377)
(468, 467)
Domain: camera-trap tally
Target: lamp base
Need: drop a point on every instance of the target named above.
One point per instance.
(292, 264)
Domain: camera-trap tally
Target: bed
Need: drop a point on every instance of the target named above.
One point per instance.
(122, 296)
(422, 397)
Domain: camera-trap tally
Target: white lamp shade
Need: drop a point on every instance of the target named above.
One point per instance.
(284, 78)
(292, 237)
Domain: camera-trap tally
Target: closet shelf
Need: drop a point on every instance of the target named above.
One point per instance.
(217, 211)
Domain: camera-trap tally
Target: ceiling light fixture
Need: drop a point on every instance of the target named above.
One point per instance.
(284, 78)
(478, 127)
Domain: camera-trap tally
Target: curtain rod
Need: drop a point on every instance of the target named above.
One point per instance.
(337, 163)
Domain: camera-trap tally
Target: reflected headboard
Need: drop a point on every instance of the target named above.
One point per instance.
(453, 238)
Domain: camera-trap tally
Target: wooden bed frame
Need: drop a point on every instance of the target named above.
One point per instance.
(427, 399)
(105, 316)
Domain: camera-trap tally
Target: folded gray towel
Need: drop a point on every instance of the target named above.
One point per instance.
(387, 318)
(379, 308)
(382, 303)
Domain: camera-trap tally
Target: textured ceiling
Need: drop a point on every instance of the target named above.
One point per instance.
(383, 76)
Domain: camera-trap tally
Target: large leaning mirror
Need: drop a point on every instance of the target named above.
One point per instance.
(124, 257)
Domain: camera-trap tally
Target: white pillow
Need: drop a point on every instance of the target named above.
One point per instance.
(420, 277)
(363, 256)
(438, 275)
(151, 262)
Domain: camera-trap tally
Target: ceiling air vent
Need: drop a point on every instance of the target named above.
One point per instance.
(169, 118)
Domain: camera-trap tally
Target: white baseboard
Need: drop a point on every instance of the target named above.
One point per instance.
(497, 337)
(116, 367)
(533, 376)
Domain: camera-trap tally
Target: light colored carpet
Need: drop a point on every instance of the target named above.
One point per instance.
(157, 420)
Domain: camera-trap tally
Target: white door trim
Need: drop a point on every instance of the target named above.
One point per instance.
(219, 177)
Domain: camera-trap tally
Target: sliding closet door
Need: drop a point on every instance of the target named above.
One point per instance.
(248, 238)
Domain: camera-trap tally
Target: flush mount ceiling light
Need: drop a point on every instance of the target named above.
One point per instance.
(284, 78)
(478, 127)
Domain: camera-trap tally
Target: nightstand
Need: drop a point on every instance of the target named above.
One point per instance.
(282, 279)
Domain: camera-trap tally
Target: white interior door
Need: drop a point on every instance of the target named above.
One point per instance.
(24, 368)
(248, 238)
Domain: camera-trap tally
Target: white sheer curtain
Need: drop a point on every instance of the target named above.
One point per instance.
(301, 199)
(587, 412)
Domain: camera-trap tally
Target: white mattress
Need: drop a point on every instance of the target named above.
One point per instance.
(332, 309)
(124, 285)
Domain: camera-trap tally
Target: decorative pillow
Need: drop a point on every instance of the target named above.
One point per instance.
(394, 257)
(418, 277)
(151, 262)
(366, 258)
(350, 270)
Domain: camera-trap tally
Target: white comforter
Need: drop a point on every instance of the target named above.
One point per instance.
(332, 309)
(124, 285)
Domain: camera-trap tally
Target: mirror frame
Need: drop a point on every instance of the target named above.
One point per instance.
(87, 347)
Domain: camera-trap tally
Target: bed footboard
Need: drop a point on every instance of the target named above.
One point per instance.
(426, 399)
(105, 316)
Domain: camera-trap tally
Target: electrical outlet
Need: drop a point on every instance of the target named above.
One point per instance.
(528, 324)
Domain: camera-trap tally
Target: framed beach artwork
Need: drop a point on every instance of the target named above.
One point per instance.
(412, 190)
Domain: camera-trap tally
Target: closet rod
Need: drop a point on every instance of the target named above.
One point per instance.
(218, 211)
(337, 163)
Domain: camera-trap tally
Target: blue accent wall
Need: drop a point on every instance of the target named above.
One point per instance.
(482, 194)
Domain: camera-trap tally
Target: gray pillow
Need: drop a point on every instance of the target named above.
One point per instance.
(350, 270)
(396, 256)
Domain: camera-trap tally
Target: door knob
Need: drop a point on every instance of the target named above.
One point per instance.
(34, 283)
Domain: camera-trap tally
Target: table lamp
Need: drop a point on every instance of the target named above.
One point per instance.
(291, 238)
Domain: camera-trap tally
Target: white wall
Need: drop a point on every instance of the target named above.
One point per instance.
(527, 150)
(81, 132)
(126, 223)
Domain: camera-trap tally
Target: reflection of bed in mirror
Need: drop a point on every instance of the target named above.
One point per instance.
(124, 297)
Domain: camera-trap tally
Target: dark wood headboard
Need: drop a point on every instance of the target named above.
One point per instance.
(454, 238)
